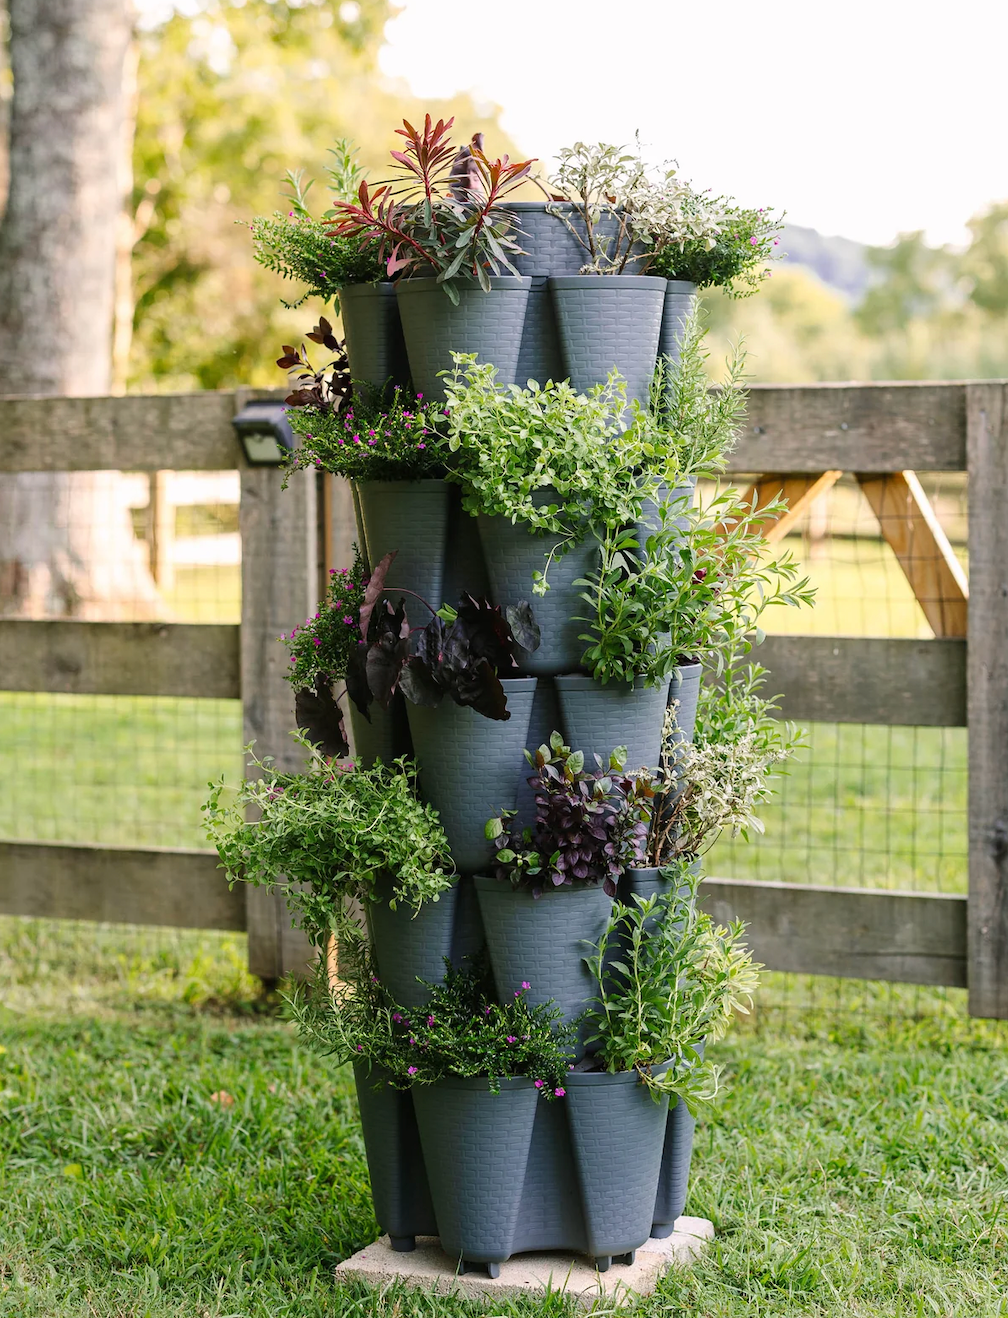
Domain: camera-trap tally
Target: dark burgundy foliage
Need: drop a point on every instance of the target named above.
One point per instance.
(326, 389)
(465, 657)
(590, 824)
(321, 719)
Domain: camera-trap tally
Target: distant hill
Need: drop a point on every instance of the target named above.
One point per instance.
(839, 262)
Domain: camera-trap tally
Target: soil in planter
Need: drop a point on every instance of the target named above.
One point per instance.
(409, 948)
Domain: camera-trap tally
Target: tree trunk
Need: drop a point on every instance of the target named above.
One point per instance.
(66, 541)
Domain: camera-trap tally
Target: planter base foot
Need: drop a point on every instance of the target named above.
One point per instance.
(487, 1269)
(603, 1263)
(626, 1259)
(403, 1244)
(661, 1230)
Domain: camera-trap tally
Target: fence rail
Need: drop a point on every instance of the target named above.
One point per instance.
(805, 436)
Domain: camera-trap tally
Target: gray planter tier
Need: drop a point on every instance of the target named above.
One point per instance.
(399, 1187)
(680, 299)
(512, 554)
(551, 1212)
(650, 881)
(408, 947)
(540, 358)
(685, 687)
(606, 321)
(488, 324)
(543, 940)
(382, 735)
(673, 1183)
(552, 246)
(475, 1147)
(374, 337)
(545, 720)
(412, 518)
(597, 717)
(470, 766)
(680, 500)
(465, 571)
(617, 1132)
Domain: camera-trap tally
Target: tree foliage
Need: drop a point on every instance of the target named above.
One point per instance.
(231, 97)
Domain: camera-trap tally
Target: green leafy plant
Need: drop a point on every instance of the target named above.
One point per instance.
(433, 214)
(721, 779)
(693, 592)
(371, 438)
(737, 259)
(330, 832)
(589, 825)
(670, 980)
(299, 247)
(323, 644)
(558, 461)
(642, 208)
(695, 427)
(462, 1030)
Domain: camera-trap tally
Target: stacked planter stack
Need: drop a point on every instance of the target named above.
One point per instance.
(603, 1168)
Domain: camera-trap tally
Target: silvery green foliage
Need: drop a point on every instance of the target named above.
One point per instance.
(650, 208)
(723, 778)
(670, 980)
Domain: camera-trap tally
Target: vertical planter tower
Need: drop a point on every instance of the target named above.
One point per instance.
(598, 1170)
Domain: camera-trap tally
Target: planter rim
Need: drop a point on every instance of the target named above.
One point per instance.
(479, 1083)
(652, 283)
(502, 283)
(688, 665)
(681, 286)
(424, 485)
(369, 288)
(582, 682)
(658, 870)
(487, 883)
(518, 683)
(577, 1079)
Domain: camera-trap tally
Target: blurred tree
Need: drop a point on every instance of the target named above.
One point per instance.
(232, 96)
(912, 282)
(66, 541)
(985, 263)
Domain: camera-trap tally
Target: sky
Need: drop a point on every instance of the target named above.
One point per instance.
(864, 118)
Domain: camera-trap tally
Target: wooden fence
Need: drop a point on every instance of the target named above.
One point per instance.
(799, 438)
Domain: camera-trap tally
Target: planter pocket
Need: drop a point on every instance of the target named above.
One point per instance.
(374, 338)
(475, 1147)
(470, 766)
(680, 299)
(383, 734)
(412, 518)
(543, 940)
(596, 717)
(606, 321)
(617, 1133)
(488, 324)
(408, 947)
(399, 1187)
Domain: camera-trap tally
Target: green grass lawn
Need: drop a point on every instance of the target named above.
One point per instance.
(858, 1165)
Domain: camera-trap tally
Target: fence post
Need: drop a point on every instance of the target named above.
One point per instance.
(987, 686)
(279, 590)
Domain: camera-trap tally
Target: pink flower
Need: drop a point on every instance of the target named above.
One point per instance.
(512, 1038)
(419, 396)
(430, 1020)
(360, 1047)
(539, 1084)
(348, 620)
(559, 1093)
(526, 984)
(411, 1070)
(754, 240)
